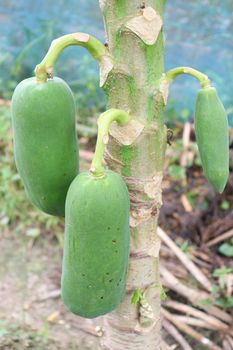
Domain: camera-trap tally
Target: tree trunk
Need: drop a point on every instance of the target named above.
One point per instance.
(130, 76)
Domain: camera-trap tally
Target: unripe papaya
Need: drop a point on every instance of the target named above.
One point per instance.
(96, 246)
(211, 127)
(45, 145)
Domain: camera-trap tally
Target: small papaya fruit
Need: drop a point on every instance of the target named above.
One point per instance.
(96, 246)
(211, 128)
(45, 145)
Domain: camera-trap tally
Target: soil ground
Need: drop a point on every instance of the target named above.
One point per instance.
(32, 315)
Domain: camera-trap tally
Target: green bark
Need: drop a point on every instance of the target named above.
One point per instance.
(135, 43)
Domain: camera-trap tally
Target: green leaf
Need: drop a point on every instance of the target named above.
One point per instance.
(207, 301)
(224, 302)
(183, 245)
(225, 205)
(136, 297)
(163, 295)
(222, 271)
(192, 199)
(177, 172)
(204, 204)
(215, 289)
(226, 249)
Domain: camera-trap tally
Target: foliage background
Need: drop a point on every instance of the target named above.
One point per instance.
(198, 33)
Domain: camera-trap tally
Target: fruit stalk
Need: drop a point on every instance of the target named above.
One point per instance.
(174, 72)
(45, 67)
(104, 122)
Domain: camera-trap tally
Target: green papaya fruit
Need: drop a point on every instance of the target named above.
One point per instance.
(211, 127)
(96, 247)
(45, 144)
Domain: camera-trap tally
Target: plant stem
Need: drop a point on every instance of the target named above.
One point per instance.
(104, 121)
(45, 67)
(202, 78)
(134, 31)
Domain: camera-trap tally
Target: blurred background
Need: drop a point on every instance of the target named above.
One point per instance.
(198, 33)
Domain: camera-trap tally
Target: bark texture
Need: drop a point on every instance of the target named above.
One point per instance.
(130, 76)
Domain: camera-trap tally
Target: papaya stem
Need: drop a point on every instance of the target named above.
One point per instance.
(202, 78)
(104, 122)
(45, 67)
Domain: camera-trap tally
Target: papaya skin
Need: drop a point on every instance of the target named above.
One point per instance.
(45, 144)
(96, 247)
(211, 127)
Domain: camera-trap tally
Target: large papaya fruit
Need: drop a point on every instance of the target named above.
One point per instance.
(211, 127)
(96, 246)
(45, 145)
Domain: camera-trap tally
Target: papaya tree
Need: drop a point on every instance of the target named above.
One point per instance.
(111, 251)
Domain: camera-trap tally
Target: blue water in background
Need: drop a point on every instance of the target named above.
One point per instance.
(198, 33)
